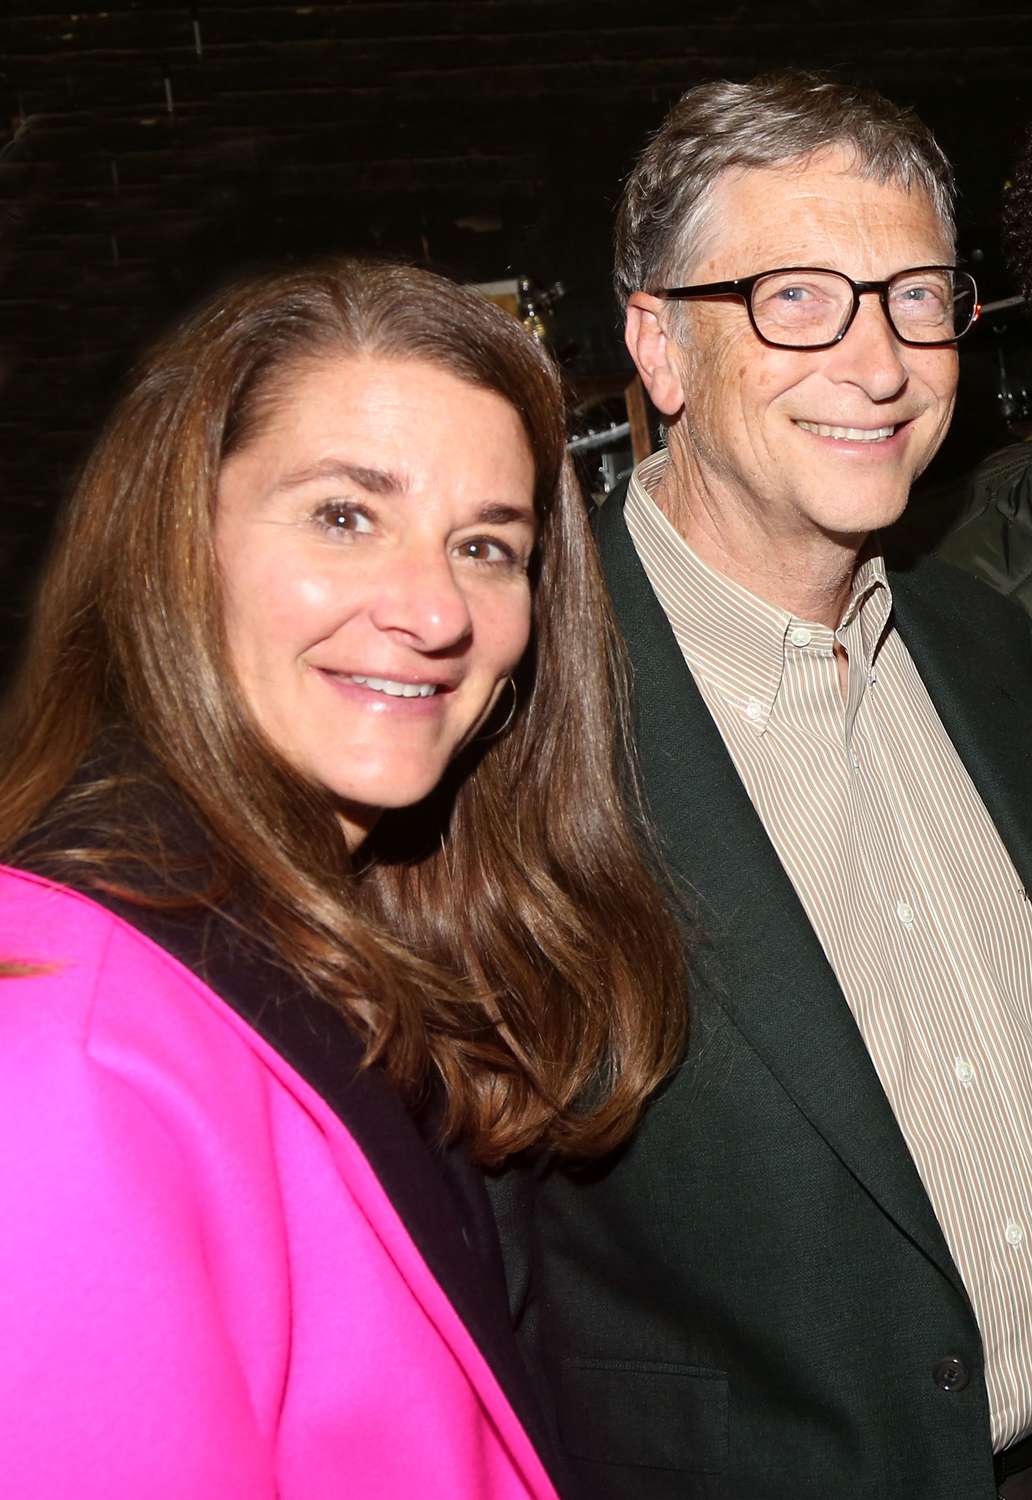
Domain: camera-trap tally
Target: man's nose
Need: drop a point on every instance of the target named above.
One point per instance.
(870, 355)
(419, 597)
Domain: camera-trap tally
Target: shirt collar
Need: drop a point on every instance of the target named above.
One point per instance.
(733, 641)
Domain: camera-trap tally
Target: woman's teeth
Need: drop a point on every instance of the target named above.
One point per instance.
(852, 434)
(396, 689)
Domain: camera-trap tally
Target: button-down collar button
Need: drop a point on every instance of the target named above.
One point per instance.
(1014, 1234)
(964, 1071)
(951, 1374)
(754, 709)
(905, 913)
(800, 636)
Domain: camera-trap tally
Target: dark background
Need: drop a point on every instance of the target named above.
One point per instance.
(148, 149)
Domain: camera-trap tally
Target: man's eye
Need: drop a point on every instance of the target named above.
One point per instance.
(922, 294)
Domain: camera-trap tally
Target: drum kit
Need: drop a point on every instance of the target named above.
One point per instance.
(1012, 361)
(609, 424)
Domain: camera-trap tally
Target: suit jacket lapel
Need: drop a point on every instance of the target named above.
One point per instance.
(763, 957)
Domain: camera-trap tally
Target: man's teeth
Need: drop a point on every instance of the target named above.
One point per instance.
(853, 434)
(396, 689)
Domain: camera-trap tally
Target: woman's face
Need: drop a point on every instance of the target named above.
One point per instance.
(373, 540)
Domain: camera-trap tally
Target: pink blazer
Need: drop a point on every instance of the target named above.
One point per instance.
(205, 1290)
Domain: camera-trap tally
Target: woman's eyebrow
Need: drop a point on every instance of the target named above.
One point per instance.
(373, 481)
(495, 513)
(386, 482)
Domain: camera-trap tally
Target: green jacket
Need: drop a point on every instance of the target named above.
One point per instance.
(755, 1301)
(982, 523)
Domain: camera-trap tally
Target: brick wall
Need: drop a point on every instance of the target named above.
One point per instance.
(148, 148)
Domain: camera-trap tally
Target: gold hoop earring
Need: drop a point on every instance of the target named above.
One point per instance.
(506, 721)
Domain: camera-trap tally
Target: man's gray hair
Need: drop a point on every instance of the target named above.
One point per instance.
(776, 118)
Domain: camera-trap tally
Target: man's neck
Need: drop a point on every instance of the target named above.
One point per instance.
(802, 571)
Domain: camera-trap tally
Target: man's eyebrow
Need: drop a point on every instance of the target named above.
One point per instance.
(373, 481)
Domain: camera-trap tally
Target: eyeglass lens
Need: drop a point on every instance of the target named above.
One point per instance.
(813, 307)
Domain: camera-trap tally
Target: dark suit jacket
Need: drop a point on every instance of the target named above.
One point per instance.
(755, 1301)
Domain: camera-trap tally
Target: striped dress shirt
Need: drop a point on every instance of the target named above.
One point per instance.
(908, 887)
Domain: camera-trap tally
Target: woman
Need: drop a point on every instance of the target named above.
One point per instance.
(322, 893)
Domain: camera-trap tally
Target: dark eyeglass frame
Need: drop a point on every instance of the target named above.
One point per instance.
(742, 286)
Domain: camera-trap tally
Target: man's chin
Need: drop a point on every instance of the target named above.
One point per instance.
(864, 515)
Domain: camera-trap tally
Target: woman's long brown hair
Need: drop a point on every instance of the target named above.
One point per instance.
(507, 935)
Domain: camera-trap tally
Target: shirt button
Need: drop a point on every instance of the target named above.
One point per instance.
(951, 1374)
(754, 709)
(964, 1071)
(905, 913)
(800, 636)
(1014, 1234)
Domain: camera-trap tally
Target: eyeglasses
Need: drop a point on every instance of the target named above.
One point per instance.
(803, 307)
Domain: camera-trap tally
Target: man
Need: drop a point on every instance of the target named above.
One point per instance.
(810, 1277)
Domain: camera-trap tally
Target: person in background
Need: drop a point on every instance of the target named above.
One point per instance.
(810, 1274)
(320, 891)
(1017, 222)
(983, 521)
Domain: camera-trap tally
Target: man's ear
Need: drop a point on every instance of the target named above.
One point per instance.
(653, 353)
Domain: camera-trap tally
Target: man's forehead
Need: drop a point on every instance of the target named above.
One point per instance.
(810, 211)
(839, 168)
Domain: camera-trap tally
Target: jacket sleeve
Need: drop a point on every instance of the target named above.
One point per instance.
(117, 1377)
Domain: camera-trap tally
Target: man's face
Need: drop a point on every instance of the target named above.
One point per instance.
(755, 430)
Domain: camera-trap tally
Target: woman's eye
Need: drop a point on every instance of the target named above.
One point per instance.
(339, 518)
(486, 549)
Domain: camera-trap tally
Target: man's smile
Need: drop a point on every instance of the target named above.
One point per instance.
(850, 434)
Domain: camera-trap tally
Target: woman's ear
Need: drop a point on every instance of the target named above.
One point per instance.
(654, 353)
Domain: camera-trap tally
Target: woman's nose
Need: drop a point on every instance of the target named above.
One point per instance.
(421, 599)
